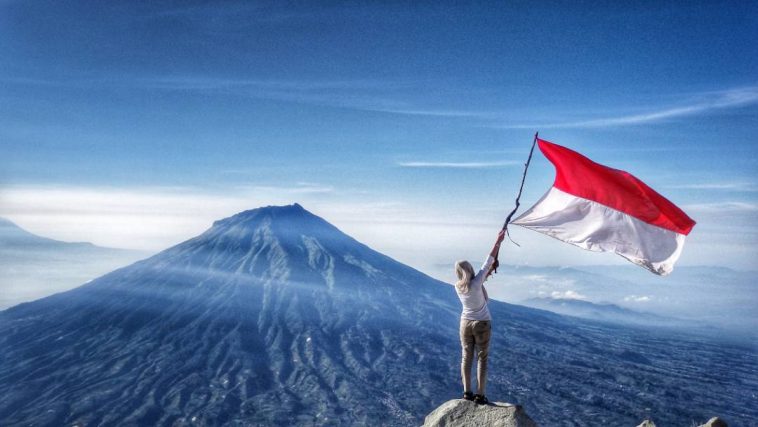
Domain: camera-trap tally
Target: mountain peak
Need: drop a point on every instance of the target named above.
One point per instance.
(284, 242)
(271, 211)
(285, 223)
(13, 235)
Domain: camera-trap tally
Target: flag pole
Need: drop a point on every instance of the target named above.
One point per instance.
(518, 203)
(523, 178)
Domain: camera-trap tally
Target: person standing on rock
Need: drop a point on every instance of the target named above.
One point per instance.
(476, 323)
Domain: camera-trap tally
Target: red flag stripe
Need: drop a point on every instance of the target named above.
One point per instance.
(617, 189)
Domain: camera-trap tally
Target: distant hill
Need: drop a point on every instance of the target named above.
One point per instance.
(275, 317)
(703, 297)
(13, 237)
(32, 266)
(603, 312)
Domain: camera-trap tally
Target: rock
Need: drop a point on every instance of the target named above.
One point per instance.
(460, 412)
(714, 422)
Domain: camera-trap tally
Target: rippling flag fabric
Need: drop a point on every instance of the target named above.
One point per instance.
(608, 210)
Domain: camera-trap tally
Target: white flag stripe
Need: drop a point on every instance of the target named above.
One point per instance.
(596, 227)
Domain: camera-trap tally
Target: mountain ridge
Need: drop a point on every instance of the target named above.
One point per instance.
(603, 311)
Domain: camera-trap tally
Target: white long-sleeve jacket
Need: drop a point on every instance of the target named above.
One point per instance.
(474, 302)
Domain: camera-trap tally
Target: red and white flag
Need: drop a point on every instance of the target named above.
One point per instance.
(603, 209)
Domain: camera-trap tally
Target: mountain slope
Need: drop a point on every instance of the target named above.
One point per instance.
(273, 316)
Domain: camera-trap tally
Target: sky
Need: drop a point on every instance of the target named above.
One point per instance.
(137, 124)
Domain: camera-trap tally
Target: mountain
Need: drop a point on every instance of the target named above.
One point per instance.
(32, 266)
(275, 317)
(13, 237)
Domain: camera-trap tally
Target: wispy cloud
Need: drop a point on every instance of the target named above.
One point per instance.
(394, 97)
(399, 97)
(458, 165)
(443, 113)
(357, 94)
(299, 188)
(204, 83)
(637, 298)
(723, 186)
(570, 294)
(722, 207)
(240, 15)
(405, 98)
(702, 103)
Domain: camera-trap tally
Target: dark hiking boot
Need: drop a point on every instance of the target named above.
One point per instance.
(481, 399)
(468, 395)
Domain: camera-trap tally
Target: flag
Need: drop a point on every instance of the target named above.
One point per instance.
(607, 210)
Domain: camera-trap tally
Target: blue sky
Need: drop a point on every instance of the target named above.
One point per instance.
(136, 124)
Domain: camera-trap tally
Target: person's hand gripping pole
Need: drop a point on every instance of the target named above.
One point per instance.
(496, 250)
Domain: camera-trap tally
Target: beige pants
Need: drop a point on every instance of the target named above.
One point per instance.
(475, 333)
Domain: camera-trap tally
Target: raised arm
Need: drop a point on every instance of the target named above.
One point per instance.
(496, 248)
(490, 263)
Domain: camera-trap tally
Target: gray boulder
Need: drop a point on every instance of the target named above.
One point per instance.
(714, 422)
(460, 412)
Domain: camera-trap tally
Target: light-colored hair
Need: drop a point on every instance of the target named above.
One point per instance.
(465, 273)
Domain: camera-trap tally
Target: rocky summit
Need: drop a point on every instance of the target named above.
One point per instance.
(274, 316)
(460, 413)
